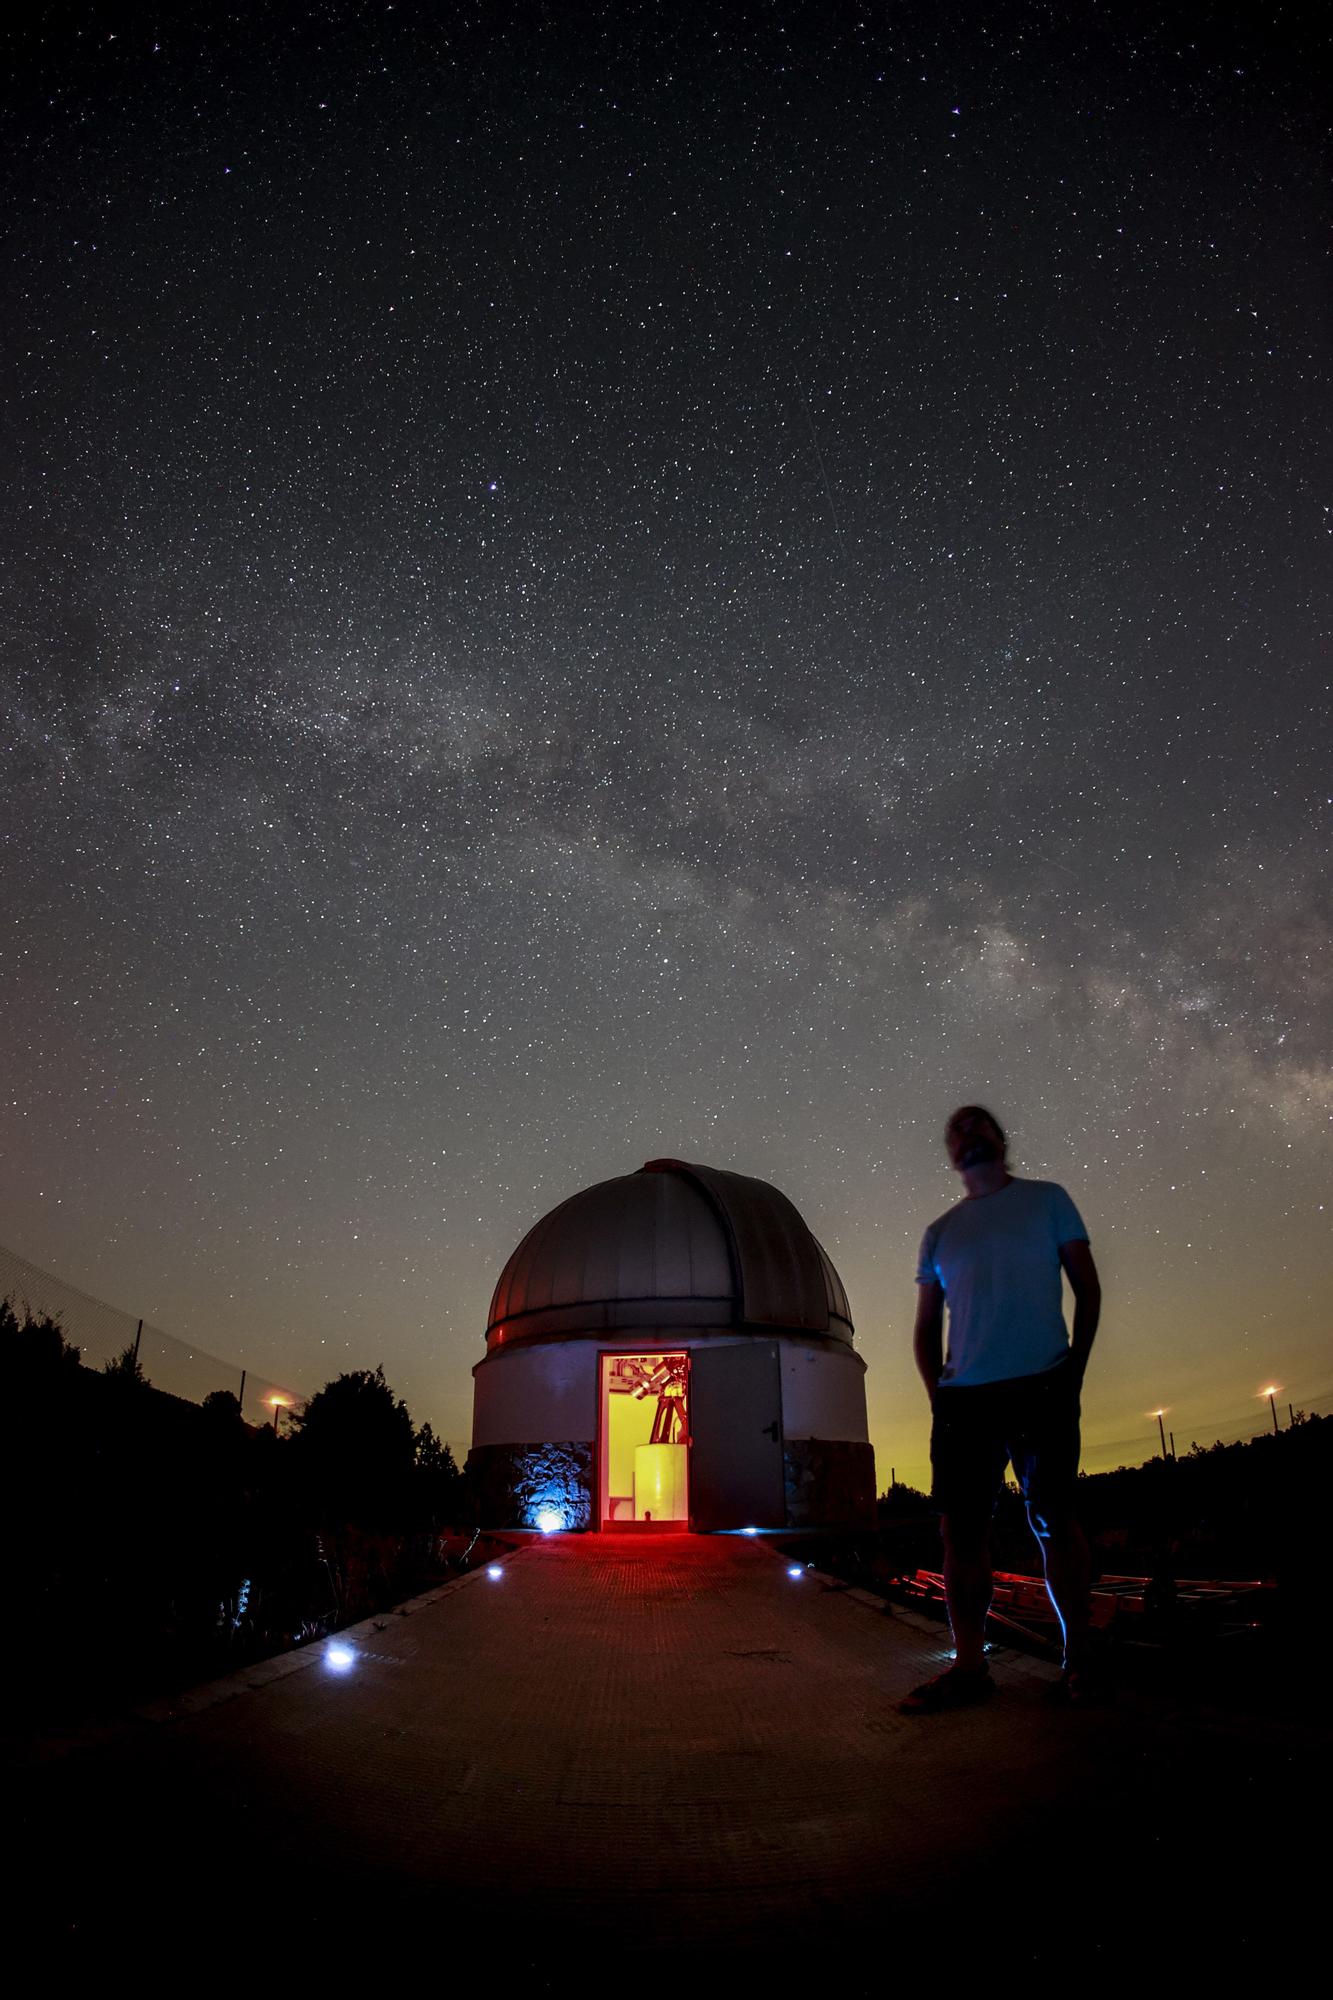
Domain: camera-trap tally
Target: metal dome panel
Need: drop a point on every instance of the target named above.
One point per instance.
(674, 1245)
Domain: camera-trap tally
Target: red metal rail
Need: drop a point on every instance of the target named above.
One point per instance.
(1117, 1601)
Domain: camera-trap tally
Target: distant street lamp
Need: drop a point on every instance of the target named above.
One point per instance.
(1161, 1428)
(279, 1403)
(1271, 1393)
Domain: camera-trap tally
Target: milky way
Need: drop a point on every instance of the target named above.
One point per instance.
(590, 583)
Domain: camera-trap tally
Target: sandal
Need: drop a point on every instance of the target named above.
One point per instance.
(956, 1687)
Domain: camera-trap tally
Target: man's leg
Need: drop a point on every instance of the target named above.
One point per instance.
(967, 1463)
(1068, 1567)
(968, 1584)
(1045, 1457)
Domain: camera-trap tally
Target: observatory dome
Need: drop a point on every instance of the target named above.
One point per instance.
(672, 1246)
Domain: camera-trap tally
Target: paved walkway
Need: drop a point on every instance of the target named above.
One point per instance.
(665, 1745)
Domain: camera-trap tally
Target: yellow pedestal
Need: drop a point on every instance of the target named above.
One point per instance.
(660, 1488)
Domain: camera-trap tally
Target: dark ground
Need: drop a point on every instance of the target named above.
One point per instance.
(641, 1762)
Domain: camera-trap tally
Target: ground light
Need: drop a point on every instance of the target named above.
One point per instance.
(494, 1572)
(548, 1520)
(794, 1569)
(338, 1657)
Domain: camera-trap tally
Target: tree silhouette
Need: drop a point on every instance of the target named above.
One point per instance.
(355, 1451)
(127, 1370)
(36, 1348)
(439, 1482)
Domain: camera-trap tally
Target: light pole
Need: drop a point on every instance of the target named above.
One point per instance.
(1161, 1428)
(279, 1403)
(1271, 1394)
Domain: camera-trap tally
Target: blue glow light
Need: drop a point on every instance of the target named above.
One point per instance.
(339, 1658)
(749, 1531)
(794, 1569)
(548, 1520)
(494, 1572)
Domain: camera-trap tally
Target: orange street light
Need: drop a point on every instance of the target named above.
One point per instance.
(279, 1403)
(1271, 1391)
(1159, 1414)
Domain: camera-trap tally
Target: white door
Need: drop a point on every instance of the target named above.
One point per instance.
(736, 1472)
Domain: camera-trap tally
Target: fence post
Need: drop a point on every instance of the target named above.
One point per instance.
(137, 1338)
(240, 1400)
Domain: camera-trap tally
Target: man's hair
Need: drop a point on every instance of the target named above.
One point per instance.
(974, 1111)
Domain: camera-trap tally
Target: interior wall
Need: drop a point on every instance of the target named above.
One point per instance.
(630, 1423)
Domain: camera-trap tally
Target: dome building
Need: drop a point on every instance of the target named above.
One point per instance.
(672, 1349)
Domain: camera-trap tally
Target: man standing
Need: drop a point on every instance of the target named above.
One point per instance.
(1007, 1393)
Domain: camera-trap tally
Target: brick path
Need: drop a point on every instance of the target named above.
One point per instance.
(659, 1745)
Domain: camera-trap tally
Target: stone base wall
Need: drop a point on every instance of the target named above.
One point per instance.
(830, 1483)
(512, 1483)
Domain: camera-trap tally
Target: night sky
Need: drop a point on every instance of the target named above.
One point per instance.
(590, 582)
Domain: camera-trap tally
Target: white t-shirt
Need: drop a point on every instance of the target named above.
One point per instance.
(998, 1259)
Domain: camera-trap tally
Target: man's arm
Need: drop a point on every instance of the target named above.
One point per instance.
(1087, 1289)
(928, 1335)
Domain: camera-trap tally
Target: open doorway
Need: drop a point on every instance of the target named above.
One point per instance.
(645, 1440)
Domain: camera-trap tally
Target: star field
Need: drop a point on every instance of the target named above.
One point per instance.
(582, 584)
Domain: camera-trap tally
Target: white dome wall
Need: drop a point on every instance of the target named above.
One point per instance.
(529, 1395)
(823, 1392)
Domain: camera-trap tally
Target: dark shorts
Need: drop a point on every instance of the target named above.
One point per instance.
(1029, 1422)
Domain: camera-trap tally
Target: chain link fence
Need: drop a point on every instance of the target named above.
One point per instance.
(102, 1332)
